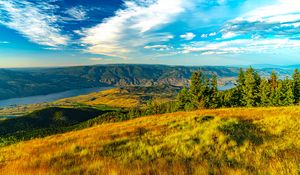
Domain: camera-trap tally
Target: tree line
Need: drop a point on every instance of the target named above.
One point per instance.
(251, 90)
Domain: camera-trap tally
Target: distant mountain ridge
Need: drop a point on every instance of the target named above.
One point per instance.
(40, 81)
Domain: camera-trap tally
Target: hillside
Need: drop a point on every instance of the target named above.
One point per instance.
(28, 82)
(223, 141)
(46, 122)
(126, 97)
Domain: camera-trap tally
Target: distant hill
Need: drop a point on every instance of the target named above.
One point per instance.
(40, 81)
(46, 122)
(47, 118)
(125, 97)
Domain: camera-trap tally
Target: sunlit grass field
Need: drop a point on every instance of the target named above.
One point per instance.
(113, 97)
(222, 141)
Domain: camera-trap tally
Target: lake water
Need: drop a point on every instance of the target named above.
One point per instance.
(49, 97)
(226, 87)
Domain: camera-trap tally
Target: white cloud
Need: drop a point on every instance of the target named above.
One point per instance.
(188, 36)
(282, 11)
(208, 35)
(77, 13)
(52, 48)
(228, 35)
(213, 34)
(96, 59)
(204, 35)
(241, 46)
(132, 27)
(279, 19)
(32, 22)
(159, 47)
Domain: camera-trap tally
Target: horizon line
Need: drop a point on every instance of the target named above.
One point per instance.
(174, 65)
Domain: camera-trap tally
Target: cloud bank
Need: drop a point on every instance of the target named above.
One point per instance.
(132, 27)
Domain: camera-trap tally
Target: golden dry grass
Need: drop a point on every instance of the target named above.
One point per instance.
(113, 97)
(222, 141)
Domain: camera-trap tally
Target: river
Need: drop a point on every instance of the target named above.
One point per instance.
(50, 97)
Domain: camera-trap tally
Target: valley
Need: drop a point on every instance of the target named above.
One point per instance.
(16, 83)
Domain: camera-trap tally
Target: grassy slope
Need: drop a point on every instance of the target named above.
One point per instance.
(126, 97)
(224, 141)
(48, 121)
(111, 97)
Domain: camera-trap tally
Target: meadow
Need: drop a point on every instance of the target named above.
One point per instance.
(210, 141)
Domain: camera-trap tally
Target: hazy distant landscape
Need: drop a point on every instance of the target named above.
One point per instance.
(42, 81)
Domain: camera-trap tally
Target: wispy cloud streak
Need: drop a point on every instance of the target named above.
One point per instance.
(33, 21)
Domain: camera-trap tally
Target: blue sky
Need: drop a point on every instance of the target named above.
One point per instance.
(175, 32)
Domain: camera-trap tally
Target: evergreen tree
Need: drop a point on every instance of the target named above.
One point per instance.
(204, 101)
(265, 92)
(196, 91)
(273, 80)
(230, 98)
(184, 100)
(250, 89)
(274, 85)
(288, 90)
(296, 79)
(214, 99)
(278, 99)
(239, 94)
(241, 78)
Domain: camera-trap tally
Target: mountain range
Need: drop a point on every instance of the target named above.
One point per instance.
(22, 82)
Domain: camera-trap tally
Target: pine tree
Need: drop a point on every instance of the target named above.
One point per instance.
(196, 92)
(204, 101)
(239, 94)
(241, 78)
(230, 98)
(183, 100)
(288, 90)
(265, 92)
(296, 82)
(274, 80)
(250, 89)
(274, 85)
(214, 99)
(278, 99)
